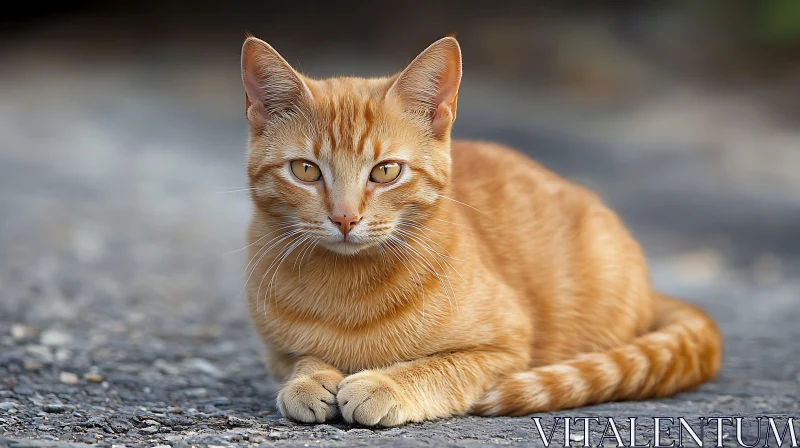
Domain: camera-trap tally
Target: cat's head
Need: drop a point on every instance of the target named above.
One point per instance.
(350, 162)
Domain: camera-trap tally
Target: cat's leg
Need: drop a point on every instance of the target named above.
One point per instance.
(436, 386)
(309, 393)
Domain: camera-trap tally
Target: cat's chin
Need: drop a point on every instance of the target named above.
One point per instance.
(347, 247)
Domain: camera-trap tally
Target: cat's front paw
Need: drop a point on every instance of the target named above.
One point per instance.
(310, 398)
(371, 398)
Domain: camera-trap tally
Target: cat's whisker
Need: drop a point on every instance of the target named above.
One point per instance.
(443, 257)
(418, 278)
(299, 226)
(383, 252)
(274, 260)
(459, 202)
(259, 261)
(438, 261)
(261, 238)
(445, 221)
(236, 190)
(448, 292)
(428, 266)
(299, 237)
(309, 248)
(268, 247)
(422, 234)
(397, 253)
(411, 223)
(270, 286)
(283, 237)
(283, 227)
(262, 251)
(446, 252)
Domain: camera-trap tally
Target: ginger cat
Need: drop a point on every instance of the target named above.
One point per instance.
(396, 276)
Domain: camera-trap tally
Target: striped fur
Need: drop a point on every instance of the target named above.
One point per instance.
(478, 281)
(682, 352)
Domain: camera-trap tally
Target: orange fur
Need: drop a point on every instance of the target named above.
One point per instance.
(477, 281)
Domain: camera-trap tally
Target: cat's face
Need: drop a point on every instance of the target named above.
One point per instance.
(349, 163)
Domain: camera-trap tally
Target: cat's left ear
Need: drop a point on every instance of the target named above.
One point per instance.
(272, 86)
(429, 85)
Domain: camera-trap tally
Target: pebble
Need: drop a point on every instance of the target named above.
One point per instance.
(150, 430)
(68, 378)
(197, 392)
(54, 408)
(120, 426)
(8, 405)
(19, 331)
(63, 355)
(216, 401)
(165, 367)
(202, 365)
(92, 377)
(23, 390)
(277, 435)
(41, 352)
(32, 365)
(95, 422)
(236, 422)
(54, 338)
(358, 432)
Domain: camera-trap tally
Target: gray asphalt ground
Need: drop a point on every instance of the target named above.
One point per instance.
(121, 321)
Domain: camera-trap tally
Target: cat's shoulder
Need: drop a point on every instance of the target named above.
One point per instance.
(488, 156)
(492, 163)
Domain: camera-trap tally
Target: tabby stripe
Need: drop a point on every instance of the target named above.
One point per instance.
(331, 124)
(368, 118)
(316, 147)
(681, 354)
(258, 173)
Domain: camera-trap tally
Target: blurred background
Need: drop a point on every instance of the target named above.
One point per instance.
(122, 139)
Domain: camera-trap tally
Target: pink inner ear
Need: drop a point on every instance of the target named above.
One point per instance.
(449, 79)
(269, 81)
(446, 94)
(430, 84)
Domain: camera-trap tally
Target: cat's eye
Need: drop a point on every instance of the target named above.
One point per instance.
(305, 170)
(385, 172)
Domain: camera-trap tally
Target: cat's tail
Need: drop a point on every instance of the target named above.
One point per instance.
(683, 351)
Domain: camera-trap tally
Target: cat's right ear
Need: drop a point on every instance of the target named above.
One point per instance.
(429, 85)
(272, 86)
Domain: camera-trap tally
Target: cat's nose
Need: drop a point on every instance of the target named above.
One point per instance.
(345, 223)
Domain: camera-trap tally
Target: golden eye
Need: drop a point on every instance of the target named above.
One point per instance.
(305, 170)
(385, 172)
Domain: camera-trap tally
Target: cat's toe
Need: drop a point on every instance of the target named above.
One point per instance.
(310, 399)
(371, 399)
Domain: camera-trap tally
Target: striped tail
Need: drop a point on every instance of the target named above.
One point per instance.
(683, 351)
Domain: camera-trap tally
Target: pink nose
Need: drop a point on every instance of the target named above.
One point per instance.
(345, 223)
